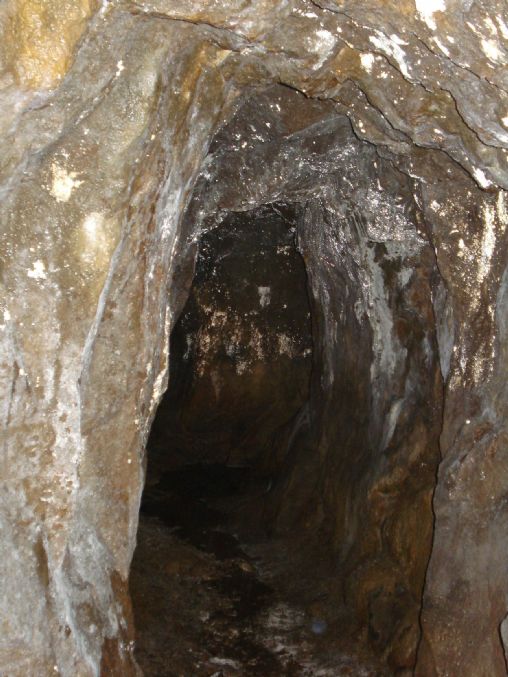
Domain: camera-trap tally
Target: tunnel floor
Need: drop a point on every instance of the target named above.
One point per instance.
(208, 604)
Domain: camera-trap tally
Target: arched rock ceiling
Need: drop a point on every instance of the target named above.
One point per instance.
(425, 72)
(107, 110)
(431, 72)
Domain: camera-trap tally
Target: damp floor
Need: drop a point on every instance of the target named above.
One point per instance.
(208, 605)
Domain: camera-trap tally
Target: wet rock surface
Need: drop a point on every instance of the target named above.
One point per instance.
(388, 127)
(207, 604)
(242, 348)
(373, 412)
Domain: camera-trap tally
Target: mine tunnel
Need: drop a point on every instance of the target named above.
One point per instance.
(286, 521)
(253, 338)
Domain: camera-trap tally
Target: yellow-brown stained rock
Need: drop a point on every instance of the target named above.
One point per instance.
(68, 180)
(40, 37)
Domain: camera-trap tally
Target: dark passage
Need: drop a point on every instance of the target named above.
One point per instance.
(205, 576)
(286, 522)
(241, 350)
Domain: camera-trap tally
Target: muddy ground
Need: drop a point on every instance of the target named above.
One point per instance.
(207, 604)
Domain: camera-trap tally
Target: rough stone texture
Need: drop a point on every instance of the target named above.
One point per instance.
(39, 38)
(86, 231)
(95, 175)
(241, 351)
(360, 459)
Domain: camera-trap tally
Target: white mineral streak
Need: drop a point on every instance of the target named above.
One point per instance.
(285, 345)
(391, 422)
(481, 178)
(158, 387)
(161, 380)
(380, 317)
(495, 219)
(491, 50)
(488, 241)
(325, 39)
(502, 27)
(63, 183)
(321, 43)
(367, 61)
(264, 296)
(392, 47)
(92, 226)
(95, 245)
(502, 211)
(38, 271)
(442, 47)
(427, 8)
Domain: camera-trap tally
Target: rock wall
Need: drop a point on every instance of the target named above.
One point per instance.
(88, 226)
(102, 145)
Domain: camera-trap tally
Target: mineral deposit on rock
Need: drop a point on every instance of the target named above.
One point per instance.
(132, 129)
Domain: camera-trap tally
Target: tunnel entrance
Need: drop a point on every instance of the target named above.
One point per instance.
(286, 523)
(241, 350)
(241, 356)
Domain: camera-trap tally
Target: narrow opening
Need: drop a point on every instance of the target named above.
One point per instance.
(241, 356)
(286, 523)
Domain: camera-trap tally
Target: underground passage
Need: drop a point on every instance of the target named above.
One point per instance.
(253, 338)
(286, 522)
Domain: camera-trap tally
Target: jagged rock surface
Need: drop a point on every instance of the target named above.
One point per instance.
(374, 413)
(101, 147)
(241, 350)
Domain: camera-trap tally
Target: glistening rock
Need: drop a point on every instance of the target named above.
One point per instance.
(403, 229)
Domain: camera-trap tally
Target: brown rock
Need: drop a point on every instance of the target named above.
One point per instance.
(403, 229)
